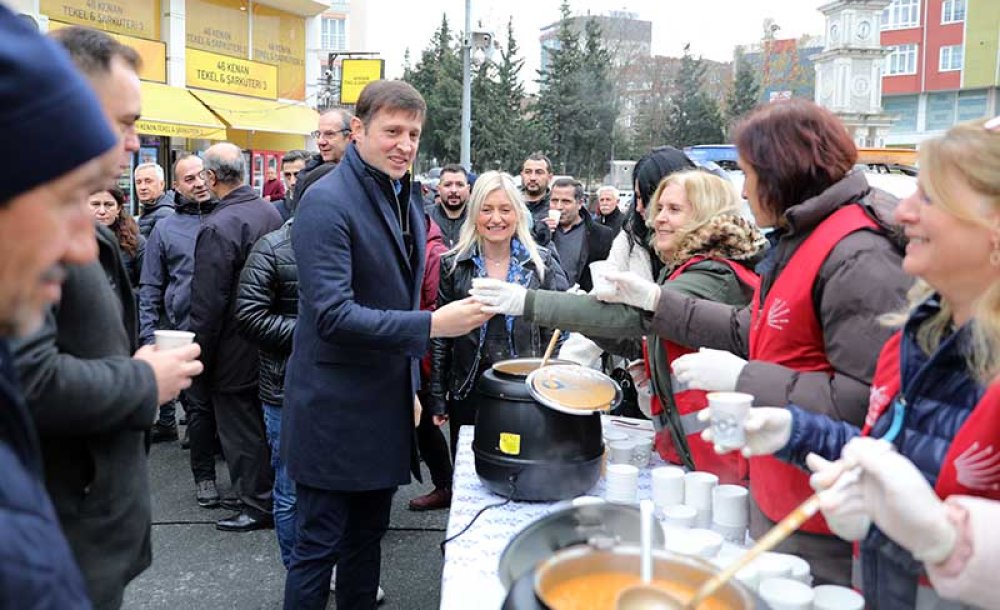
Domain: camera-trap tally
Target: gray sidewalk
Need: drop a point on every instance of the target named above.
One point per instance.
(196, 566)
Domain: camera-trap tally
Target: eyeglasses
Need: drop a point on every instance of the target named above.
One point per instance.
(328, 135)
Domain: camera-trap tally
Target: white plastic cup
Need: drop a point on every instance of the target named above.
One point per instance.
(621, 483)
(786, 594)
(801, 571)
(834, 597)
(620, 452)
(169, 339)
(555, 215)
(729, 412)
(642, 451)
(679, 516)
(698, 486)
(598, 275)
(731, 505)
(710, 542)
(735, 534)
(611, 436)
(668, 486)
(773, 565)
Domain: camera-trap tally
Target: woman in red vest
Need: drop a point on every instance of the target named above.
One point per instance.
(929, 393)
(811, 334)
(708, 251)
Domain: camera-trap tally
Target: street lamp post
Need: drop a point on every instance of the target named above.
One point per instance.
(466, 142)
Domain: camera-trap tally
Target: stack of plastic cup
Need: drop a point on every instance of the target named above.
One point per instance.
(642, 451)
(833, 597)
(621, 484)
(731, 512)
(786, 594)
(620, 452)
(698, 488)
(668, 486)
(679, 516)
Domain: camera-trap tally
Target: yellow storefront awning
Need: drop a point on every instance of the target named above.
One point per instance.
(173, 111)
(260, 115)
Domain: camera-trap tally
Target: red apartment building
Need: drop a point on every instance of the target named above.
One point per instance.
(943, 67)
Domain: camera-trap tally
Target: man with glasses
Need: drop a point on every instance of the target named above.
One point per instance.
(332, 138)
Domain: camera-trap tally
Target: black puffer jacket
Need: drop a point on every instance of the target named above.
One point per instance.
(154, 212)
(267, 304)
(457, 363)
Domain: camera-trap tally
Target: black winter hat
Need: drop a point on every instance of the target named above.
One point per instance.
(50, 119)
(657, 165)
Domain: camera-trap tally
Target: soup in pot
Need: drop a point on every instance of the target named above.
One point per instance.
(598, 591)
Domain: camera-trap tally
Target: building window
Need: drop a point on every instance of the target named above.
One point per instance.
(972, 104)
(901, 14)
(904, 110)
(902, 60)
(333, 36)
(952, 11)
(950, 58)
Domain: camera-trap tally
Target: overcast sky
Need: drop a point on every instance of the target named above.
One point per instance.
(712, 27)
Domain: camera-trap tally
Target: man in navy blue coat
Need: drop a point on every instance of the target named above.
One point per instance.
(44, 225)
(350, 388)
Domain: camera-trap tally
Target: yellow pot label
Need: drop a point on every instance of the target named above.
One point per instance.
(510, 443)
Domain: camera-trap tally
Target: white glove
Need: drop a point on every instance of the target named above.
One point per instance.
(767, 430)
(714, 370)
(842, 508)
(896, 497)
(643, 388)
(498, 296)
(633, 290)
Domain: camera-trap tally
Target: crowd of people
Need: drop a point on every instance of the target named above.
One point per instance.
(341, 320)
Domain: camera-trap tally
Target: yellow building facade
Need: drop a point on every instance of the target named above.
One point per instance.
(212, 70)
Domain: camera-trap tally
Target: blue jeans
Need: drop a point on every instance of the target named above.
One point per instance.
(284, 487)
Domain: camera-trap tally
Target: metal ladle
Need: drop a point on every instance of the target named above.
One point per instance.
(646, 596)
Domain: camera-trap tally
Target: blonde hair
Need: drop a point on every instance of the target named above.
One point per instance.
(970, 153)
(469, 238)
(709, 196)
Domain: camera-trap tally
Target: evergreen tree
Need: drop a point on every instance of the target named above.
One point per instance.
(693, 117)
(560, 107)
(438, 77)
(501, 135)
(744, 94)
(594, 136)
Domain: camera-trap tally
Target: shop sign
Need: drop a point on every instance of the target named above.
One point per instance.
(355, 74)
(153, 53)
(139, 18)
(218, 26)
(174, 130)
(280, 38)
(231, 74)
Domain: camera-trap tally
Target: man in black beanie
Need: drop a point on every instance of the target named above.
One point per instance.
(93, 397)
(42, 214)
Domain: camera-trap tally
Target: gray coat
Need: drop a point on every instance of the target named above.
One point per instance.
(861, 279)
(93, 404)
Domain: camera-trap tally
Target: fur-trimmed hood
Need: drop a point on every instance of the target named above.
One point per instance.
(727, 236)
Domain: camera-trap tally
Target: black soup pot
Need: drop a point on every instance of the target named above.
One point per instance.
(528, 451)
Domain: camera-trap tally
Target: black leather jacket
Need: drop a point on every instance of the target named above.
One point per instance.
(457, 363)
(267, 305)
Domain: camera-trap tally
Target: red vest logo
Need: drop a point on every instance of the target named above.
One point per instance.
(978, 469)
(778, 314)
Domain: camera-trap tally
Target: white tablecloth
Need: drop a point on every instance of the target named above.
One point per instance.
(469, 579)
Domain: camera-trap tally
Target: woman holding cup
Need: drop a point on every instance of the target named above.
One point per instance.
(495, 242)
(929, 393)
(708, 251)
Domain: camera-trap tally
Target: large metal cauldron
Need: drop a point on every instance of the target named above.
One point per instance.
(529, 451)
